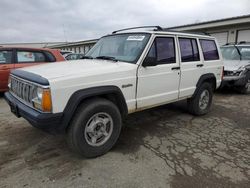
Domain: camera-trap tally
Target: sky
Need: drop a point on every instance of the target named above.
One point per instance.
(74, 20)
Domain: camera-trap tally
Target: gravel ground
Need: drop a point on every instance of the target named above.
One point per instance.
(162, 147)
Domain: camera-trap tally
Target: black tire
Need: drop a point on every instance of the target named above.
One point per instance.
(245, 89)
(193, 103)
(78, 141)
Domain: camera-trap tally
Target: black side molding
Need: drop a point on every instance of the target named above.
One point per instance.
(209, 77)
(205, 77)
(30, 77)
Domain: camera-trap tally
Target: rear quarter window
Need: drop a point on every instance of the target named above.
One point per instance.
(24, 56)
(30, 57)
(209, 49)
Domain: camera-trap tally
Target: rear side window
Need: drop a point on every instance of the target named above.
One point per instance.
(71, 57)
(5, 57)
(189, 50)
(163, 50)
(209, 50)
(30, 57)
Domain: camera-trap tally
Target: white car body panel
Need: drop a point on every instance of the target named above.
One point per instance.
(153, 87)
(190, 74)
(70, 77)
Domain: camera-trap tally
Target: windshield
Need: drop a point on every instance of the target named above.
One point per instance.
(236, 52)
(122, 47)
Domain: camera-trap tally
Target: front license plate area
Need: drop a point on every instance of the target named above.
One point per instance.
(14, 110)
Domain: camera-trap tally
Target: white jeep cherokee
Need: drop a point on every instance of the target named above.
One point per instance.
(124, 72)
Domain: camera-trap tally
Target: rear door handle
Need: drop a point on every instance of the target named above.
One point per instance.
(199, 65)
(175, 68)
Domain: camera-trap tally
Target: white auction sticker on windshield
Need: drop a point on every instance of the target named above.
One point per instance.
(136, 37)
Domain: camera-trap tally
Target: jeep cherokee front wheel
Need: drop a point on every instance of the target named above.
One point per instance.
(95, 128)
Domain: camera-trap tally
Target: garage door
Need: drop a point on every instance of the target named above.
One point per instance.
(221, 37)
(243, 35)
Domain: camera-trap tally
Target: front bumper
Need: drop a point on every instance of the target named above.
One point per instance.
(234, 81)
(48, 122)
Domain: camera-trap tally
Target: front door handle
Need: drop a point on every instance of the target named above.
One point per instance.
(175, 68)
(199, 65)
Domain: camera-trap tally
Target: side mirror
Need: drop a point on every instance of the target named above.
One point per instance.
(149, 62)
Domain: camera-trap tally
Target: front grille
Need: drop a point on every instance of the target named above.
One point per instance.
(22, 90)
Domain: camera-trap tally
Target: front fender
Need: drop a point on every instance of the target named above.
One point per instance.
(79, 96)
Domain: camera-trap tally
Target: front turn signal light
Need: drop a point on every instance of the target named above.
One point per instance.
(46, 101)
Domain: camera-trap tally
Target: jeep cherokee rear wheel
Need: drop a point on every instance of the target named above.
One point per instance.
(95, 128)
(201, 102)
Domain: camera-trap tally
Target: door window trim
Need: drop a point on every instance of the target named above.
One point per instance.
(216, 46)
(197, 45)
(151, 43)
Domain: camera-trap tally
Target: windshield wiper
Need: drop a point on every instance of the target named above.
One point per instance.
(86, 57)
(107, 58)
(238, 50)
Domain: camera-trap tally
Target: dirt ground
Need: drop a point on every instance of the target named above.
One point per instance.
(162, 147)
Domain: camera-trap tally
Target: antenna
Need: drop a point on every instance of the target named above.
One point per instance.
(64, 33)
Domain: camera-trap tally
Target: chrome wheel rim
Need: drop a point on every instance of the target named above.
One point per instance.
(98, 129)
(204, 100)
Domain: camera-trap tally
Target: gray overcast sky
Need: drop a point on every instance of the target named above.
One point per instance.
(48, 20)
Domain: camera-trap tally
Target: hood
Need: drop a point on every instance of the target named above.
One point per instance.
(232, 65)
(78, 68)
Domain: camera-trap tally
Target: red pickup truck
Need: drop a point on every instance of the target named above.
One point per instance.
(17, 57)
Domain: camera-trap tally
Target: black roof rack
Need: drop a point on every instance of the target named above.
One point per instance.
(243, 42)
(189, 32)
(157, 28)
(236, 43)
(230, 43)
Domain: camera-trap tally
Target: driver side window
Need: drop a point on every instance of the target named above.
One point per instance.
(163, 50)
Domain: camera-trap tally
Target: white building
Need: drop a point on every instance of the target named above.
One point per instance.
(31, 44)
(77, 47)
(227, 30)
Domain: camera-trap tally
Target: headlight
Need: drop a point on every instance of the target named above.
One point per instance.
(39, 93)
(42, 100)
(9, 83)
